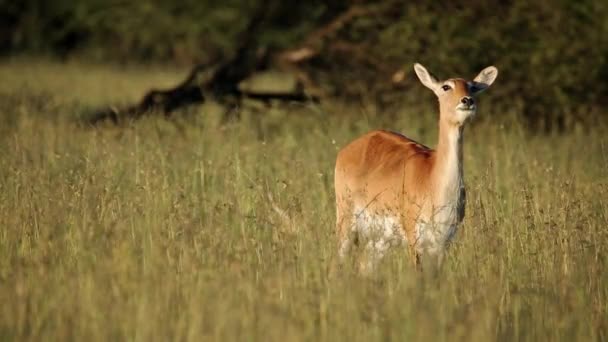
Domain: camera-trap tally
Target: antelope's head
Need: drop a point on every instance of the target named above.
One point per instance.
(456, 95)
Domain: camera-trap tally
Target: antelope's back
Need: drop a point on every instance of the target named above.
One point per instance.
(381, 161)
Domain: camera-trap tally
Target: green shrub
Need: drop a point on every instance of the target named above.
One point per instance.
(551, 55)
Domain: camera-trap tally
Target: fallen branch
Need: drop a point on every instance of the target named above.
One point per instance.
(223, 83)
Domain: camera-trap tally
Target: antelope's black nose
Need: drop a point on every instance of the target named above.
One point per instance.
(467, 100)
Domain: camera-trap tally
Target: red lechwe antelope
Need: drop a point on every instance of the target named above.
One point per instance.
(391, 190)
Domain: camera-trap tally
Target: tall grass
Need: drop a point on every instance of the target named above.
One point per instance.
(161, 230)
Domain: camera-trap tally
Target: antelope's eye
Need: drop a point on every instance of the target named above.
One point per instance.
(446, 87)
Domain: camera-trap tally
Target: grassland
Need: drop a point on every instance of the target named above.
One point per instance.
(161, 230)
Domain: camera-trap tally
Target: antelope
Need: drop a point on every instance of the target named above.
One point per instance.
(392, 190)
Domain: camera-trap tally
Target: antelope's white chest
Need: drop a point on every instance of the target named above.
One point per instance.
(432, 237)
(435, 230)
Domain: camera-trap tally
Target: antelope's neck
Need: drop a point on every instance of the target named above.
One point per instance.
(447, 170)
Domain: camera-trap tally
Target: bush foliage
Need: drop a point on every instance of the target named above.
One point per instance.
(551, 54)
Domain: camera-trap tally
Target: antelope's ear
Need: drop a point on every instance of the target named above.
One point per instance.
(426, 77)
(484, 80)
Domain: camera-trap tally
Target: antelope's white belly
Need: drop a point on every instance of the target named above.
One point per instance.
(382, 230)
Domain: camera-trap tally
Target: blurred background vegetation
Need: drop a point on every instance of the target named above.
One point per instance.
(552, 55)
